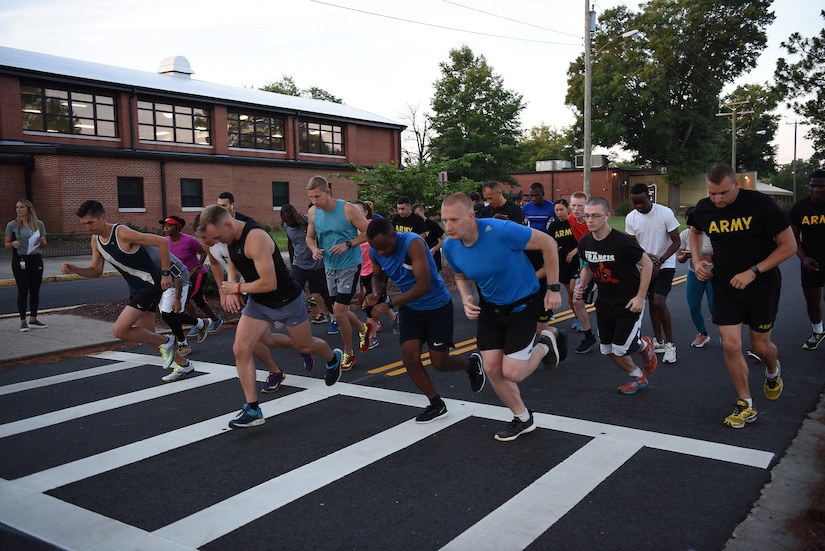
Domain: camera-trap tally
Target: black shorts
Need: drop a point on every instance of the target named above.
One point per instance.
(435, 327)
(146, 300)
(317, 279)
(568, 272)
(619, 328)
(757, 309)
(661, 283)
(509, 332)
(811, 280)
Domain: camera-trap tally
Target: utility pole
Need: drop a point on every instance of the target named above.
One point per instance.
(734, 107)
(589, 26)
(795, 124)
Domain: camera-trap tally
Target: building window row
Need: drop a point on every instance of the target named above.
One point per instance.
(77, 112)
(130, 193)
(68, 112)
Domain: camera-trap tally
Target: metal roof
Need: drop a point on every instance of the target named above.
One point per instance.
(15, 60)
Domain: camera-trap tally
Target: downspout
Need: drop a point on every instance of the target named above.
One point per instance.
(163, 187)
(132, 109)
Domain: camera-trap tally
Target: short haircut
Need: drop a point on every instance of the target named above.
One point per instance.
(403, 200)
(562, 202)
(379, 226)
(639, 189)
(460, 198)
(718, 172)
(492, 184)
(91, 208)
(214, 215)
(817, 175)
(318, 182)
(538, 186)
(599, 201)
(227, 195)
(579, 195)
(475, 197)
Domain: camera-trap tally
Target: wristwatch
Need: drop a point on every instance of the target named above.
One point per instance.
(554, 287)
(349, 244)
(389, 302)
(165, 273)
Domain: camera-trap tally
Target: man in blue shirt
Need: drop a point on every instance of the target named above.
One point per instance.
(491, 253)
(425, 313)
(539, 212)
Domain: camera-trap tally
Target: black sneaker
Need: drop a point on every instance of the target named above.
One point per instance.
(333, 373)
(561, 343)
(551, 359)
(431, 413)
(476, 372)
(516, 428)
(586, 345)
(753, 356)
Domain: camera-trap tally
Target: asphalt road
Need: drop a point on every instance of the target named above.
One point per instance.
(68, 293)
(97, 453)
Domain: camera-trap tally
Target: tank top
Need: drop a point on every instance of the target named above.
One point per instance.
(140, 270)
(398, 267)
(287, 290)
(332, 228)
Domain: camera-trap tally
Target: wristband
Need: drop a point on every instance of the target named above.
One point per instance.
(239, 289)
(554, 287)
(755, 270)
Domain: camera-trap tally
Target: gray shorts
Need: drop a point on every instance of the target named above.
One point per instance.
(291, 314)
(343, 284)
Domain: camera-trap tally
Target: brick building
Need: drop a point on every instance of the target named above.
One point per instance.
(151, 144)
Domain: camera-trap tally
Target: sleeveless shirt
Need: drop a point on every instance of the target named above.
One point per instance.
(332, 228)
(140, 270)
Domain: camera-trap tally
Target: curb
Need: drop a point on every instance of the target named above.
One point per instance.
(55, 278)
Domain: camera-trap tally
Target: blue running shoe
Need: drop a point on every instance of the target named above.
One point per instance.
(213, 328)
(333, 327)
(334, 371)
(273, 382)
(192, 332)
(577, 327)
(248, 417)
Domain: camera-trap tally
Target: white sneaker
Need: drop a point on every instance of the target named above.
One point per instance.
(178, 372)
(167, 351)
(658, 346)
(670, 353)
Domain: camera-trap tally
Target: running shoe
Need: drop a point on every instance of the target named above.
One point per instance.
(700, 341)
(333, 327)
(754, 356)
(373, 343)
(395, 329)
(193, 331)
(204, 330)
(184, 349)
(476, 372)
(347, 361)
(248, 417)
(658, 346)
(516, 428)
(216, 325)
(178, 372)
(167, 351)
(431, 413)
(812, 342)
(273, 382)
(561, 344)
(773, 387)
(669, 356)
(742, 413)
(577, 326)
(24, 327)
(333, 374)
(551, 359)
(586, 345)
(36, 324)
(649, 360)
(377, 326)
(309, 361)
(634, 384)
(364, 336)
(320, 318)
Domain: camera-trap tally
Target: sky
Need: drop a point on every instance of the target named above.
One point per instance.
(376, 55)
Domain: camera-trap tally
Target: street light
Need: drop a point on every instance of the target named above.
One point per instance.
(589, 27)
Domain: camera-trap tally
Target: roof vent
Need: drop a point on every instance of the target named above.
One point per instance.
(177, 66)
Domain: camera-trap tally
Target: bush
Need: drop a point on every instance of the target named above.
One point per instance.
(623, 208)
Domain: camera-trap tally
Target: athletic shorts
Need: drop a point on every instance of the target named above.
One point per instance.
(146, 300)
(812, 280)
(167, 298)
(661, 283)
(343, 284)
(619, 329)
(290, 314)
(511, 332)
(759, 313)
(435, 327)
(317, 279)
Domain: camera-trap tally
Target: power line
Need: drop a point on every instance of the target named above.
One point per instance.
(509, 19)
(442, 26)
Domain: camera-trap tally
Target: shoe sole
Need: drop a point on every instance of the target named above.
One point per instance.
(270, 390)
(254, 423)
(215, 330)
(178, 378)
(742, 426)
(531, 428)
(664, 361)
(483, 374)
(554, 347)
(439, 416)
(366, 346)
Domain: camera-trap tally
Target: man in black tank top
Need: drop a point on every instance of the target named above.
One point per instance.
(132, 253)
(272, 296)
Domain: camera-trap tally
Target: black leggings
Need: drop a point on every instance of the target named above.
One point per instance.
(28, 281)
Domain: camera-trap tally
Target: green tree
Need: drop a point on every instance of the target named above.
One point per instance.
(658, 92)
(784, 177)
(802, 82)
(546, 143)
(286, 85)
(755, 131)
(472, 112)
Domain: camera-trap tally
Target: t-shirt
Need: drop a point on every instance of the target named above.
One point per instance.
(742, 234)
(579, 229)
(809, 218)
(652, 231)
(23, 234)
(539, 216)
(496, 261)
(411, 224)
(186, 249)
(684, 241)
(366, 261)
(613, 262)
(302, 256)
(509, 209)
(432, 237)
(560, 231)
